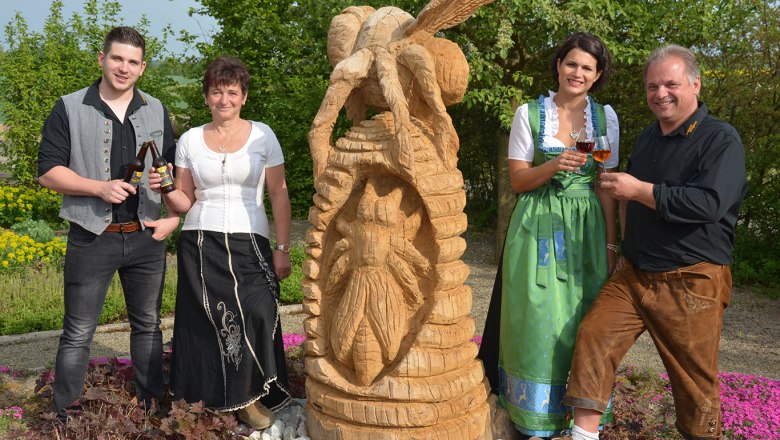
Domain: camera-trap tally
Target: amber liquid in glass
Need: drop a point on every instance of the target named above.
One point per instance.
(602, 155)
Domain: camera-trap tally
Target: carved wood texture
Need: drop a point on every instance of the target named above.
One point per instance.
(388, 344)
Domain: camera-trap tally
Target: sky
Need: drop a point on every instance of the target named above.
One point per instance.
(159, 13)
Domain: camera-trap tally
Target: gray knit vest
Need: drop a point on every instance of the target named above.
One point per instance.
(90, 157)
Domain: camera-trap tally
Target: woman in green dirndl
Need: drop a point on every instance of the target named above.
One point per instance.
(560, 244)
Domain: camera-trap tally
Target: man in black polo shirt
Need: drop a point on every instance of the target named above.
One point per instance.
(88, 141)
(680, 199)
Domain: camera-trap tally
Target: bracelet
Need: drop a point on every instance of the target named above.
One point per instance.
(613, 247)
(283, 248)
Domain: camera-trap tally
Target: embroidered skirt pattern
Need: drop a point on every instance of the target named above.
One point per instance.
(227, 341)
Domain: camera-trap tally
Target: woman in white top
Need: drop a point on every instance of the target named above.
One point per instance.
(227, 341)
(560, 242)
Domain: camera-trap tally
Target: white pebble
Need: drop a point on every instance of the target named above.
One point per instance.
(275, 431)
(302, 431)
(293, 420)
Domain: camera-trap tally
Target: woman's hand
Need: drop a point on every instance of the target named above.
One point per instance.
(570, 160)
(155, 178)
(281, 264)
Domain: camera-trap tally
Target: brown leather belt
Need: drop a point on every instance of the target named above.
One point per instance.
(124, 227)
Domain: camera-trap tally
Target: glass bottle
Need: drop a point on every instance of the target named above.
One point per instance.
(161, 165)
(136, 168)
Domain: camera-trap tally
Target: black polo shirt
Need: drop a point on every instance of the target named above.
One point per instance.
(55, 144)
(699, 178)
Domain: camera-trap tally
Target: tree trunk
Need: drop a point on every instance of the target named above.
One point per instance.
(506, 197)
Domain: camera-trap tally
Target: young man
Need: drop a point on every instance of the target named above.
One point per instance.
(680, 200)
(88, 141)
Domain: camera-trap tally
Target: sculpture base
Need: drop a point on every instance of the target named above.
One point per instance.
(474, 425)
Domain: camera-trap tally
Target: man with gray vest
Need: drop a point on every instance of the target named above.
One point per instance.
(89, 139)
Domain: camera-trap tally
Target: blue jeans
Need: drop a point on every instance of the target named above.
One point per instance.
(90, 263)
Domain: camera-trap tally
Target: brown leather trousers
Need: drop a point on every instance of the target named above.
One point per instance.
(682, 310)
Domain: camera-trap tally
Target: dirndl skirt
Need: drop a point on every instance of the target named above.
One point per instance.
(227, 339)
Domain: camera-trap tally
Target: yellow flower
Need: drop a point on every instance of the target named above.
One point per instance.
(11, 255)
(5, 263)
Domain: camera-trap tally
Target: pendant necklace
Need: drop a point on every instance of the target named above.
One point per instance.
(221, 147)
(575, 133)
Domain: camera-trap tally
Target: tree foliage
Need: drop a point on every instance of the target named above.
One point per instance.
(508, 43)
(742, 86)
(38, 68)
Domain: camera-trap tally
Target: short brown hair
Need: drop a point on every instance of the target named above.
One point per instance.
(225, 71)
(672, 50)
(124, 35)
(591, 44)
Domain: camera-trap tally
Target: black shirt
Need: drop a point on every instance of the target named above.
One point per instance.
(55, 144)
(699, 178)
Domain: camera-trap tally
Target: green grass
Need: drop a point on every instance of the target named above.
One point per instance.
(769, 292)
(291, 286)
(32, 300)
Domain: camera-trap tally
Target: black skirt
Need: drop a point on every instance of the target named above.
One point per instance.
(227, 339)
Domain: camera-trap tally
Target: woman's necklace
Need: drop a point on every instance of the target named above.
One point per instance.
(222, 146)
(574, 134)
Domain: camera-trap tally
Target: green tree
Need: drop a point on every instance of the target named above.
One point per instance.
(509, 44)
(283, 43)
(742, 86)
(38, 68)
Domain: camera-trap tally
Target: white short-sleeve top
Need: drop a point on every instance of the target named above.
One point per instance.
(521, 140)
(229, 187)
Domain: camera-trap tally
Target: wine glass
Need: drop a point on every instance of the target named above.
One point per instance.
(602, 150)
(584, 144)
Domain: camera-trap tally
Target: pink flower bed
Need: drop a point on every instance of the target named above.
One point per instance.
(12, 412)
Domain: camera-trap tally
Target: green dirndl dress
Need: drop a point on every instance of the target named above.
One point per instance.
(554, 264)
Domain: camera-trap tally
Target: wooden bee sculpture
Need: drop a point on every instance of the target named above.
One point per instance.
(389, 350)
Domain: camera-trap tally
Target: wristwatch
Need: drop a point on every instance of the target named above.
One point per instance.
(283, 247)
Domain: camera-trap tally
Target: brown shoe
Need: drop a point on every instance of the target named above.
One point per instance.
(256, 415)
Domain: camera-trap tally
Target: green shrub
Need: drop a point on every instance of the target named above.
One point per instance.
(20, 252)
(757, 262)
(291, 292)
(173, 238)
(38, 230)
(18, 204)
